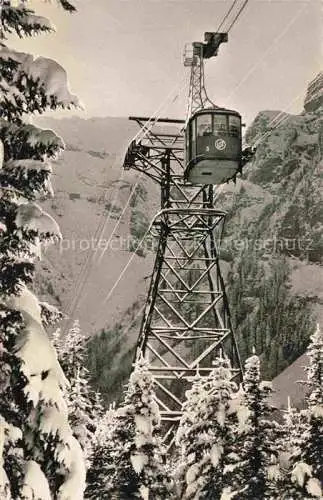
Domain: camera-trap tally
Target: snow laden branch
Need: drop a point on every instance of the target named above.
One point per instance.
(30, 84)
(23, 21)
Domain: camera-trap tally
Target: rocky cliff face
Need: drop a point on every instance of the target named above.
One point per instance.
(271, 252)
(273, 246)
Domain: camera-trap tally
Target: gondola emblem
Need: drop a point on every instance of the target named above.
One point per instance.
(220, 144)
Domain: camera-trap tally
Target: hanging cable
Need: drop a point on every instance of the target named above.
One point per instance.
(122, 273)
(226, 15)
(129, 262)
(278, 120)
(133, 191)
(238, 15)
(151, 121)
(86, 268)
(265, 53)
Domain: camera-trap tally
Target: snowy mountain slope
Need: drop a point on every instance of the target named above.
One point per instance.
(271, 252)
(287, 384)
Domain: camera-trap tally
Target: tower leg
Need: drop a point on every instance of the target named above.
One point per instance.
(187, 319)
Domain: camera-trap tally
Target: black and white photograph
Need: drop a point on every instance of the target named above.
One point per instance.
(161, 250)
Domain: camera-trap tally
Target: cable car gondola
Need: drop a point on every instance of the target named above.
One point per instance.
(213, 146)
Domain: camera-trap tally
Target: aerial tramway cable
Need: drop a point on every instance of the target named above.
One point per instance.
(238, 15)
(151, 124)
(266, 52)
(86, 267)
(226, 15)
(278, 120)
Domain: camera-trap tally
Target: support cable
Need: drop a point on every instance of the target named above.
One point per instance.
(266, 52)
(137, 183)
(238, 15)
(87, 264)
(226, 15)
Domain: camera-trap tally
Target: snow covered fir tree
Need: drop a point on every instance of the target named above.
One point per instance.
(305, 475)
(85, 408)
(57, 440)
(255, 470)
(100, 472)
(139, 470)
(205, 434)
(40, 458)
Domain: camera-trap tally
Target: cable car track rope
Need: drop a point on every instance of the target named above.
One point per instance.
(147, 129)
(235, 19)
(87, 264)
(86, 267)
(83, 274)
(238, 15)
(227, 15)
(266, 52)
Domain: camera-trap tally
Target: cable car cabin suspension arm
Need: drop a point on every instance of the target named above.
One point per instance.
(194, 58)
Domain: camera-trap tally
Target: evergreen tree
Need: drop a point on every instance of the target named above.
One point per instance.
(71, 349)
(100, 473)
(312, 452)
(138, 458)
(80, 415)
(293, 423)
(255, 472)
(205, 434)
(306, 474)
(39, 456)
(190, 417)
(84, 405)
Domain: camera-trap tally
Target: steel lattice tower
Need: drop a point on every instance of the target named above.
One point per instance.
(186, 319)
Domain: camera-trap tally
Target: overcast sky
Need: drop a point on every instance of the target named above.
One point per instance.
(124, 56)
